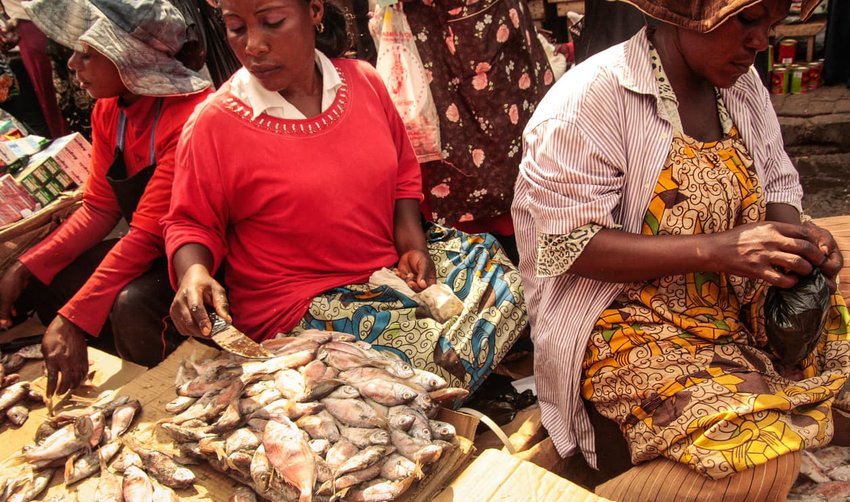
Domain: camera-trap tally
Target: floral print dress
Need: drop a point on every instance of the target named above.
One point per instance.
(487, 73)
(681, 363)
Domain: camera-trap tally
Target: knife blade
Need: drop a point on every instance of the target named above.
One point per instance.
(226, 336)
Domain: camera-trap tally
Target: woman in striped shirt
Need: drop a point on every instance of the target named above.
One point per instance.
(655, 206)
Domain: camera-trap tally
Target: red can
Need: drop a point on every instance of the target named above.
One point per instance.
(787, 51)
(815, 70)
(779, 79)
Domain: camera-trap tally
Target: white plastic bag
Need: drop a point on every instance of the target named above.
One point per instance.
(407, 82)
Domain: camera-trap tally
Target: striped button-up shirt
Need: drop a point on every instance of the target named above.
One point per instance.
(593, 152)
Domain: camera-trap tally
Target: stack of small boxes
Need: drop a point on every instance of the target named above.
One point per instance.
(46, 173)
(58, 167)
(16, 203)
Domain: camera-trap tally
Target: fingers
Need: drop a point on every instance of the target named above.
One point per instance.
(200, 317)
(218, 299)
(52, 376)
(5, 312)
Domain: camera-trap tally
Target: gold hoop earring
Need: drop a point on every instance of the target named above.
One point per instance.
(320, 28)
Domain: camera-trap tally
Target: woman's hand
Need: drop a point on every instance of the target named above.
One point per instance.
(13, 283)
(833, 260)
(779, 253)
(197, 289)
(417, 269)
(65, 354)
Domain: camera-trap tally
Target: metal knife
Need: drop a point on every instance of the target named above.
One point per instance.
(226, 336)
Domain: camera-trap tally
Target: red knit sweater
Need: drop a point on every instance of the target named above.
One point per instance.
(134, 253)
(295, 207)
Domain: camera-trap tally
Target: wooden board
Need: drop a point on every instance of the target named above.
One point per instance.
(110, 373)
(839, 226)
(497, 476)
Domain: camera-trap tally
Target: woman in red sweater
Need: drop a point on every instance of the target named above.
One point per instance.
(298, 174)
(145, 95)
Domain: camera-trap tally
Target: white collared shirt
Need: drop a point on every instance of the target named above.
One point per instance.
(248, 89)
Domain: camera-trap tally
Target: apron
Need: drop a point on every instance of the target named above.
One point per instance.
(128, 190)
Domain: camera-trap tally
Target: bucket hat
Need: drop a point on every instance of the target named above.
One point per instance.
(140, 37)
(703, 15)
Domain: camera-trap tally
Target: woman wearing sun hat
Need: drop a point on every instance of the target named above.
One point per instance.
(124, 55)
(655, 205)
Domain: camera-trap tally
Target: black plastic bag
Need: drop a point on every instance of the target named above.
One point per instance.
(795, 317)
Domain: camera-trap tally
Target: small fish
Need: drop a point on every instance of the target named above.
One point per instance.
(108, 486)
(353, 412)
(397, 467)
(128, 458)
(290, 455)
(419, 451)
(261, 469)
(289, 345)
(63, 442)
(251, 404)
(162, 467)
(14, 363)
(180, 404)
(319, 446)
(364, 458)
(242, 439)
(258, 387)
(122, 417)
(33, 487)
(350, 479)
(426, 380)
(204, 383)
(162, 493)
(442, 430)
(183, 434)
(137, 485)
(228, 419)
(89, 463)
(320, 426)
(12, 394)
(240, 461)
(9, 380)
(18, 414)
(339, 452)
(386, 392)
(284, 408)
(210, 404)
(380, 490)
(290, 383)
(344, 392)
(31, 352)
(363, 438)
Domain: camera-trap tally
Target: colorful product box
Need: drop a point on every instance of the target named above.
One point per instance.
(15, 202)
(13, 150)
(56, 168)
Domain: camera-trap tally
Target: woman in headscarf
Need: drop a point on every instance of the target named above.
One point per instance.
(124, 56)
(657, 206)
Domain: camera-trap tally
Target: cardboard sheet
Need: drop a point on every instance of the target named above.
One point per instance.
(498, 476)
(155, 387)
(110, 373)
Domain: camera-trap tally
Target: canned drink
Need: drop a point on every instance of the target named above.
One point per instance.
(798, 73)
(779, 79)
(770, 58)
(815, 71)
(787, 51)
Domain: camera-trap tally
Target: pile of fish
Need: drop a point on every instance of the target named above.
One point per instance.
(16, 396)
(326, 418)
(824, 475)
(79, 441)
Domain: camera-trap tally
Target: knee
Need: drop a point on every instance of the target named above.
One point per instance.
(128, 300)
